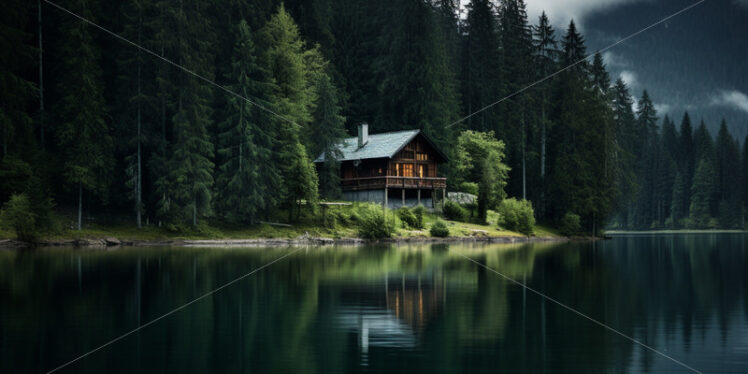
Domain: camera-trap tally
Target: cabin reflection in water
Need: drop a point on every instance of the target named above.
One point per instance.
(395, 168)
(392, 313)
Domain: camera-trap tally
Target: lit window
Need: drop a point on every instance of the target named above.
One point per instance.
(422, 157)
(407, 170)
(421, 171)
(397, 169)
(380, 171)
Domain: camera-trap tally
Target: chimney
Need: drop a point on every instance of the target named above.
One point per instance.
(363, 134)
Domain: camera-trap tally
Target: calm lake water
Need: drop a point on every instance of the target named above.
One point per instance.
(393, 309)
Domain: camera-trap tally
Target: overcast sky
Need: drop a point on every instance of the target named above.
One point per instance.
(695, 61)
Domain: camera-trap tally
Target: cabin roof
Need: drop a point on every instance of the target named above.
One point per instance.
(384, 145)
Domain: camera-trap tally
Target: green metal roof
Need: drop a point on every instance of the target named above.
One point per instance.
(379, 146)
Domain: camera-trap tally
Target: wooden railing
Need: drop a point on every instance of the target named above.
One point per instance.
(393, 182)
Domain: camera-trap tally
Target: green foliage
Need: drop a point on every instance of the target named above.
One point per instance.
(419, 212)
(372, 223)
(439, 229)
(454, 212)
(407, 217)
(479, 160)
(468, 187)
(516, 215)
(17, 215)
(570, 224)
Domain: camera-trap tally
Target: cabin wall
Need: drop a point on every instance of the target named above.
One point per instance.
(416, 159)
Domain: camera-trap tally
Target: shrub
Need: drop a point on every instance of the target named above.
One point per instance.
(570, 224)
(439, 229)
(16, 214)
(419, 212)
(407, 217)
(372, 223)
(469, 187)
(516, 215)
(453, 211)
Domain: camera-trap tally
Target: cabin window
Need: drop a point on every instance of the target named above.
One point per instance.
(422, 171)
(422, 157)
(397, 169)
(409, 155)
(407, 170)
(380, 171)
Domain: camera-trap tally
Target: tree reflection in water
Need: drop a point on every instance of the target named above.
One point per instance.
(381, 308)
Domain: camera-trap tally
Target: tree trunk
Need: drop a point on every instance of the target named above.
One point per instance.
(41, 79)
(80, 204)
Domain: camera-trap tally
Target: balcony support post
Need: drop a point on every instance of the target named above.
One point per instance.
(385, 196)
(419, 196)
(403, 196)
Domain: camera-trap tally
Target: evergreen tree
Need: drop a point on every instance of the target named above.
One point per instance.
(481, 66)
(745, 180)
(726, 201)
(686, 159)
(546, 57)
(83, 134)
(677, 213)
(135, 112)
(327, 131)
(16, 92)
(517, 57)
(293, 97)
(703, 143)
(626, 157)
(701, 192)
(190, 166)
(245, 178)
(418, 88)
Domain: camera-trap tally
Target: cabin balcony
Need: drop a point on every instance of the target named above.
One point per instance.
(380, 182)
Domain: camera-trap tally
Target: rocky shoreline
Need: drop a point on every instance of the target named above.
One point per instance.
(265, 242)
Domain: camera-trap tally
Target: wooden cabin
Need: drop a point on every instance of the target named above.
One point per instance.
(394, 168)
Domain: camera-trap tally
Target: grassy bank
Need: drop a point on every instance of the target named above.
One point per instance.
(340, 222)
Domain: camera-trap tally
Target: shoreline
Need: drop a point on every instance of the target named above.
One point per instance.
(273, 242)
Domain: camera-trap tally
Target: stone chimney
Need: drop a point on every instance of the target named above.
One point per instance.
(363, 134)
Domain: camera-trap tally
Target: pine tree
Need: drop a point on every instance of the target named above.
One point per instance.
(190, 166)
(745, 180)
(16, 92)
(546, 57)
(703, 143)
(625, 135)
(245, 179)
(134, 84)
(726, 201)
(701, 192)
(646, 145)
(83, 134)
(327, 130)
(677, 213)
(481, 66)
(294, 99)
(686, 159)
(517, 57)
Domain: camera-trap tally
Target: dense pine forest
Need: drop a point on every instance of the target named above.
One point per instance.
(95, 128)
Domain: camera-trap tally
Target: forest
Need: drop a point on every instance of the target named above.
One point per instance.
(176, 112)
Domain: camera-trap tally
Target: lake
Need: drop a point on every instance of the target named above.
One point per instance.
(391, 309)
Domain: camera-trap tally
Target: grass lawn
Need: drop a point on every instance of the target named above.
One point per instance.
(341, 225)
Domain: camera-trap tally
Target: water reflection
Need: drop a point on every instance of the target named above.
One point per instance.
(381, 308)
